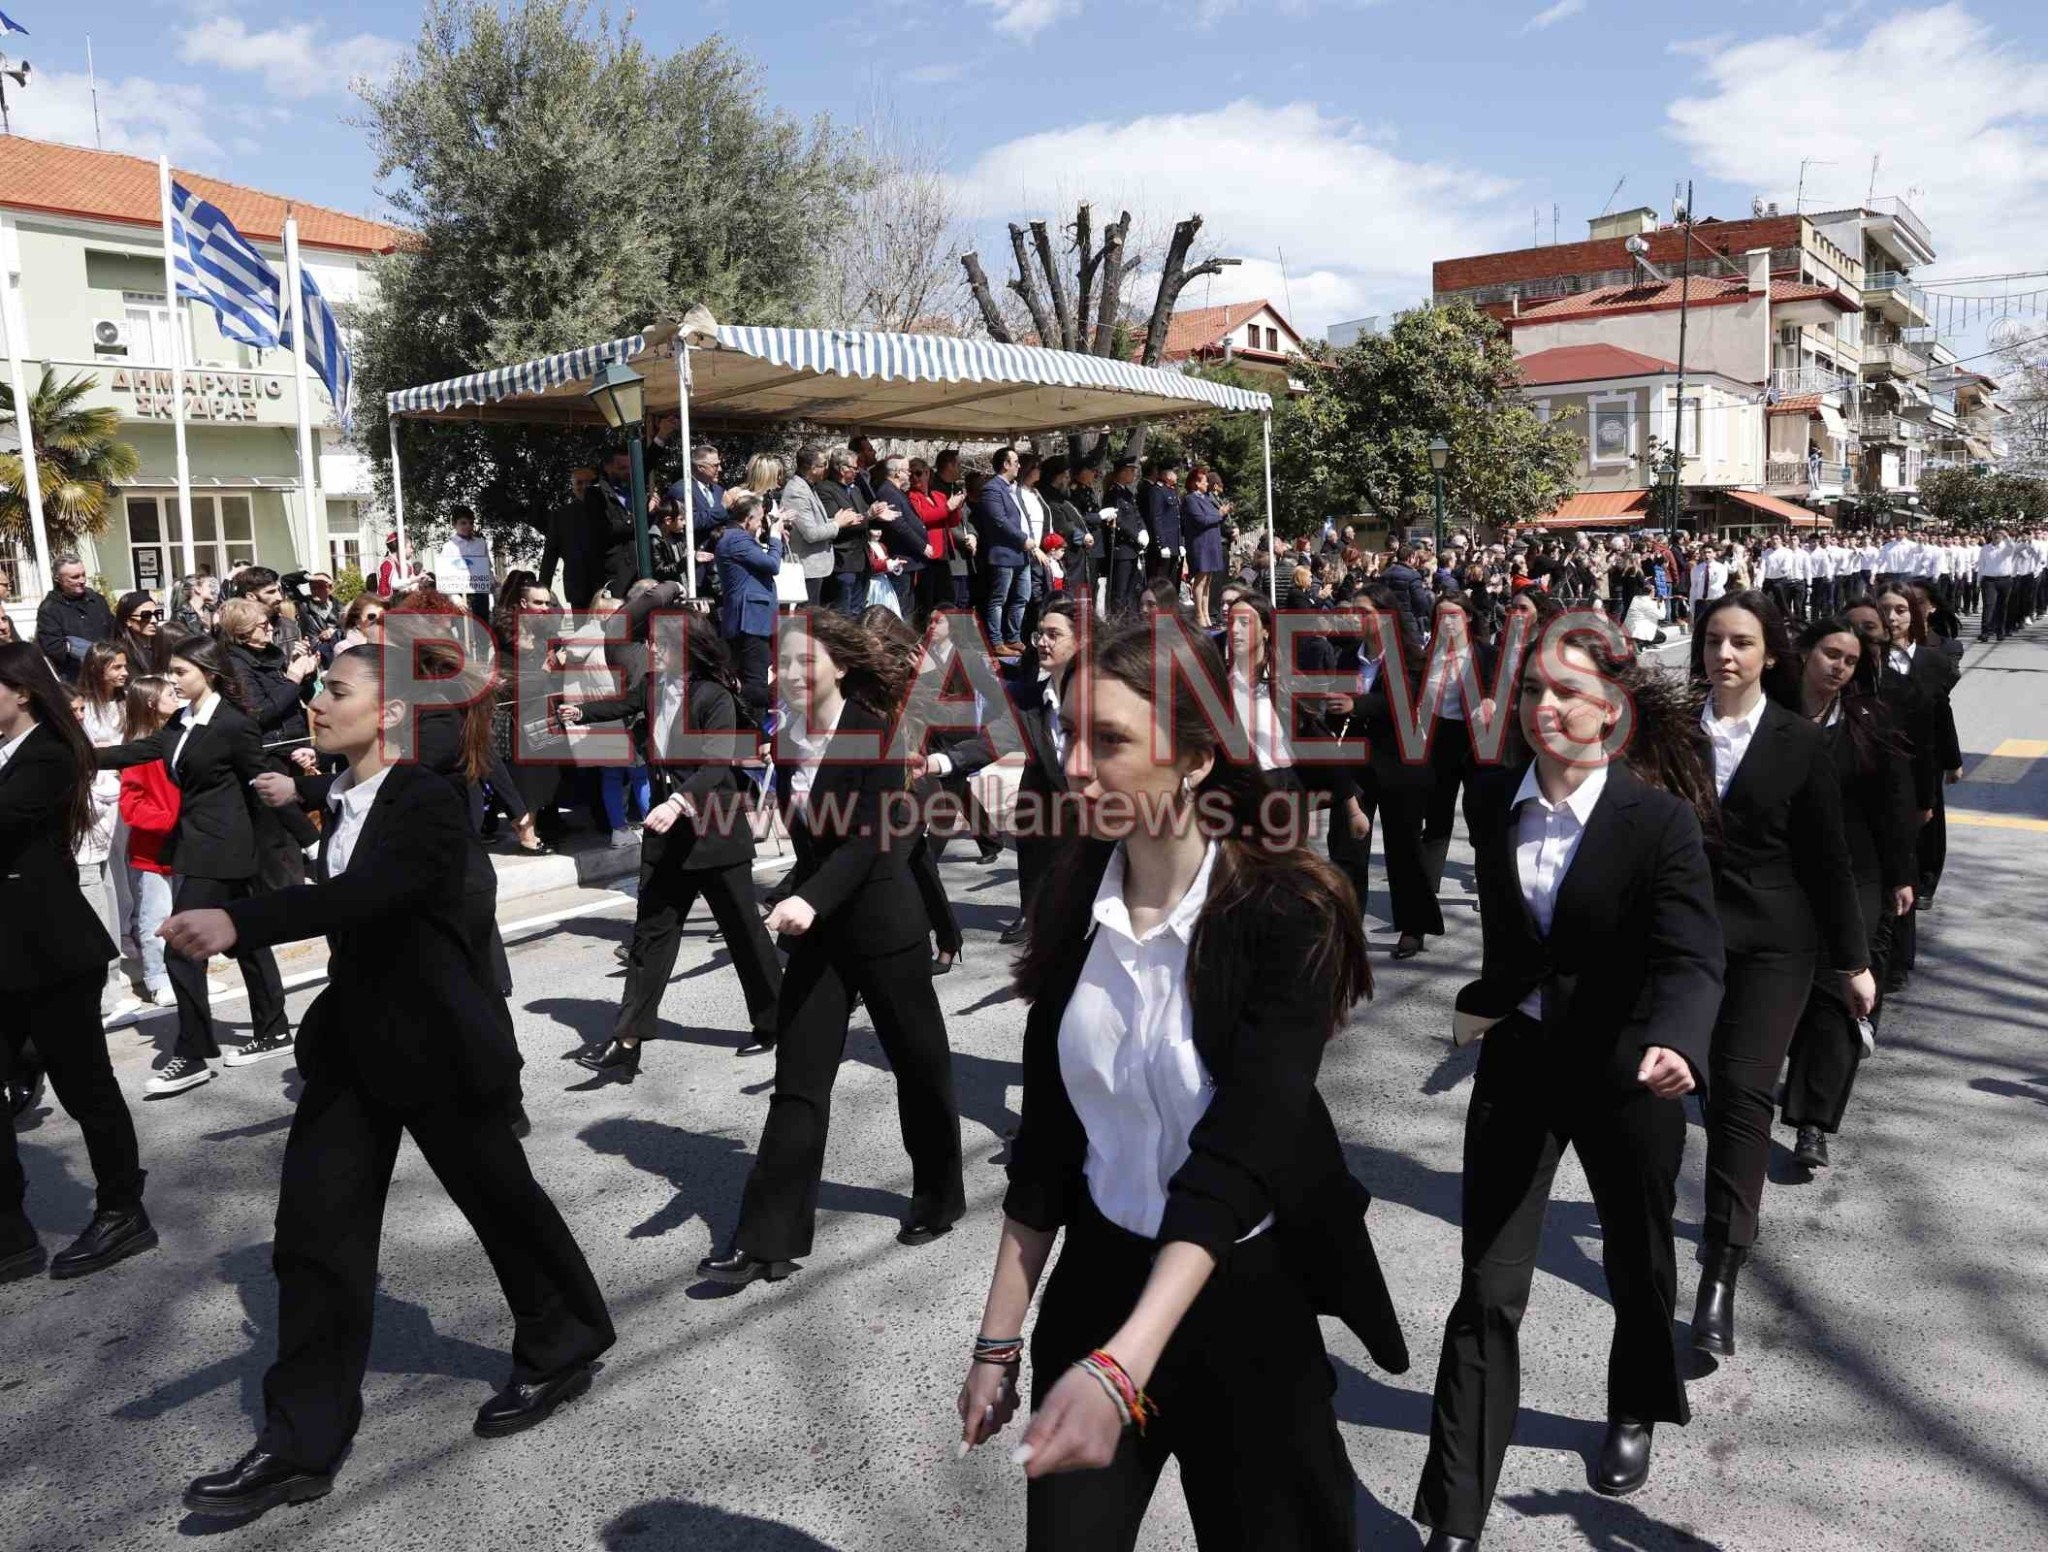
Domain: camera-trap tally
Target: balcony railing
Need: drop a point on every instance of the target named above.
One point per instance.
(1889, 428)
(1800, 474)
(1790, 380)
(1893, 356)
(1892, 282)
(1901, 212)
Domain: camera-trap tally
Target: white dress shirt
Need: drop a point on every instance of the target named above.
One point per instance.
(1054, 726)
(668, 711)
(348, 805)
(8, 748)
(811, 745)
(1547, 837)
(196, 715)
(1259, 717)
(1127, 1052)
(1730, 737)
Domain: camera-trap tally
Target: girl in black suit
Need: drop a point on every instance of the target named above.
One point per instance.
(1836, 688)
(53, 962)
(856, 925)
(1186, 971)
(697, 842)
(1596, 998)
(1928, 675)
(410, 1036)
(1787, 896)
(214, 753)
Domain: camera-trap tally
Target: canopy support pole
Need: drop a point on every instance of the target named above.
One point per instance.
(1272, 550)
(398, 495)
(689, 459)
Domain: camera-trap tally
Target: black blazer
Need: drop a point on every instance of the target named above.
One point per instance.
(1782, 875)
(1878, 820)
(411, 1010)
(854, 876)
(1266, 1143)
(215, 836)
(724, 838)
(577, 544)
(51, 934)
(1634, 956)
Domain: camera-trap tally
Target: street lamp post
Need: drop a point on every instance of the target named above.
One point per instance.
(1439, 456)
(620, 394)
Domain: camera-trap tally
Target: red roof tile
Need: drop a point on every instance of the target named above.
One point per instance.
(108, 186)
(1797, 404)
(1731, 239)
(1196, 329)
(1588, 363)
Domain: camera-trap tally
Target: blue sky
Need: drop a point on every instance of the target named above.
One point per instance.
(1359, 140)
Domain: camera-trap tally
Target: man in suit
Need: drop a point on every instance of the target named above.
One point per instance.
(813, 531)
(707, 496)
(749, 555)
(864, 472)
(1000, 527)
(608, 507)
(846, 586)
(1037, 694)
(574, 545)
(1126, 537)
(894, 521)
(1159, 505)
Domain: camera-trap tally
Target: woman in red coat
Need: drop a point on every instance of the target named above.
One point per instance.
(940, 514)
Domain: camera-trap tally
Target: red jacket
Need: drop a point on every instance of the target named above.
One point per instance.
(933, 508)
(149, 804)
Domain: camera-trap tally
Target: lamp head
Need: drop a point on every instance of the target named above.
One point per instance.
(1439, 453)
(620, 394)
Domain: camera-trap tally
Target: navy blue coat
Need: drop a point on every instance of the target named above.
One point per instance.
(1161, 509)
(903, 534)
(746, 583)
(999, 521)
(1202, 523)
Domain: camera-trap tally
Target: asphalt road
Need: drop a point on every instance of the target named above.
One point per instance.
(1891, 1392)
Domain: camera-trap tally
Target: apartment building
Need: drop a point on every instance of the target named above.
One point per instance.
(80, 240)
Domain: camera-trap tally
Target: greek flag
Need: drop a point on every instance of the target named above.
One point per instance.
(325, 353)
(9, 24)
(216, 265)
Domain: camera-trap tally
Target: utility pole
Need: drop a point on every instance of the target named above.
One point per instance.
(1678, 416)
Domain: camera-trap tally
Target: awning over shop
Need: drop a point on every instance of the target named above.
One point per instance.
(1597, 509)
(888, 384)
(1778, 511)
(1831, 418)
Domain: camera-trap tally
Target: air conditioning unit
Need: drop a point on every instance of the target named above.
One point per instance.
(110, 336)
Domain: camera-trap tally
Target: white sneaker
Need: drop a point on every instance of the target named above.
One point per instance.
(621, 839)
(124, 1010)
(162, 997)
(257, 1048)
(177, 1075)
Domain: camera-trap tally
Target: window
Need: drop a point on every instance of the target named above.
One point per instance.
(1542, 409)
(347, 554)
(154, 538)
(1689, 428)
(1273, 340)
(223, 536)
(149, 329)
(1613, 420)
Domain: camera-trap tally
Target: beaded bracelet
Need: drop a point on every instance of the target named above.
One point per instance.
(1005, 1352)
(1135, 1407)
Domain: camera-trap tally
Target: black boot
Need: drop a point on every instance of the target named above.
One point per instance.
(1444, 1541)
(1624, 1463)
(1713, 1313)
(1811, 1151)
(114, 1234)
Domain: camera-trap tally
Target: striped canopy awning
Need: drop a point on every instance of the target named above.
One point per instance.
(887, 384)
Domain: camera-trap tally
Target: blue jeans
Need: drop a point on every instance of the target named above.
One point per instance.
(1009, 590)
(851, 588)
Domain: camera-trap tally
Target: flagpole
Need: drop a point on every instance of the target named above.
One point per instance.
(295, 289)
(32, 479)
(163, 169)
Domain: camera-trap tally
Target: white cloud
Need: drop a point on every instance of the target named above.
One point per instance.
(295, 60)
(1026, 19)
(1550, 16)
(1359, 224)
(148, 118)
(1957, 114)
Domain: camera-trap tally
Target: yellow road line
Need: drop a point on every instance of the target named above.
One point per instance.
(1959, 816)
(2021, 749)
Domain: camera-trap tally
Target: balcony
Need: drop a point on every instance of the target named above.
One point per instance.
(1896, 296)
(1800, 474)
(1889, 428)
(1908, 222)
(1791, 380)
(1891, 358)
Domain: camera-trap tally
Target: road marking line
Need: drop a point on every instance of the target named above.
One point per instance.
(1959, 816)
(2021, 749)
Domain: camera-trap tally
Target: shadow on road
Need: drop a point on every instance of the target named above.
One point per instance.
(676, 1522)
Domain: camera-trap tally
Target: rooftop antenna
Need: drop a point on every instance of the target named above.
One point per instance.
(1872, 195)
(1618, 182)
(93, 83)
(1799, 199)
(1553, 224)
(1286, 291)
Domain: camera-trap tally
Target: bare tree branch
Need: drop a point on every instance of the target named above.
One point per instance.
(1026, 286)
(1084, 246)
(1062, 307)
(991, 315)
(1174, 274)
(1111, 264)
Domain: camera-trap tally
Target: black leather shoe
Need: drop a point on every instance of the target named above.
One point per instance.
(1014, 933)
(760, 1040)
(1812, 1149)
(617, 1058)
(988, 853)
(738, 1268)
(914, 1233)
(1444, 1541)
(519, 1407)
(114, 1234)
(1624, 1463)
(26, 1262)
(1408, 945)
(256, 1482)
(1713, 1312)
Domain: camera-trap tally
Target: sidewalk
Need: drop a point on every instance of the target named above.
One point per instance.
(2001, 709)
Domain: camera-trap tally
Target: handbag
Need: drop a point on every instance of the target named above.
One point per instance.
(790, 586)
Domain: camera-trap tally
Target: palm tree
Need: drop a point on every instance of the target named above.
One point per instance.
(79, 457)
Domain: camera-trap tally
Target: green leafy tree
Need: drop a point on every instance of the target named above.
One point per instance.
(80, 459)
(564, 185)
(1953, 495)
(1358, 440)
(1228, 444)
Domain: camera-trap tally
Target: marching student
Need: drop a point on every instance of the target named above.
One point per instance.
(1186, 971)
(855, 925)
(410, 1036)
(1786, 892)
(697, 841)
(1600, 975)
(1929, 674)
(1835, 687)
(214, 753)
(53, 962)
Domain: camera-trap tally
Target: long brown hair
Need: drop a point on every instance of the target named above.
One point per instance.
(92, 673)
(877, 673)
(1261, 874)
(139, 714)
(22, 668)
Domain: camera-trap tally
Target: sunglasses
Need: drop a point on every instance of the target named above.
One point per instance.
(141, 615)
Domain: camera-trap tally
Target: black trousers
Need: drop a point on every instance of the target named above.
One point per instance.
(1398, 809)
(1991, 622)
(1244, 1390)
(71, 1045)
(1827, 1049)
(924, 872)
(1523, 1115)
(667, 891)
(1762, 999)
(330, 1217)
(1126, 577)
(779, 1209)
(1450, 758)
(1930, 846)
(750, 655)
(188, 976)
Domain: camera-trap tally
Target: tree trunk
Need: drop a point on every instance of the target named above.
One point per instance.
(1062, 308)
(991, 315)
(1027, 287)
